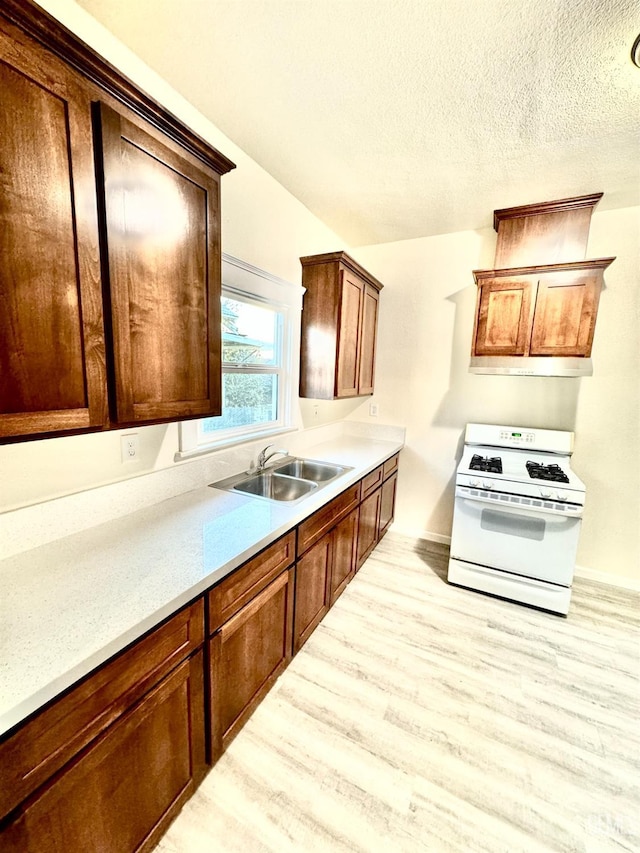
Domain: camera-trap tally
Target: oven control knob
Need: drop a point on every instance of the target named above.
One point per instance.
(475, 484)
(546, 493)
(487, 484)
(562, 496)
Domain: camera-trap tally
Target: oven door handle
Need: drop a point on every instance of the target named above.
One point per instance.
(515, 506)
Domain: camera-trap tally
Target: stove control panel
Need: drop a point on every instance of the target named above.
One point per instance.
(521, 438)
(517, 438)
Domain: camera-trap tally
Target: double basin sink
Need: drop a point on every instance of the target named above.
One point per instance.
(289, 480)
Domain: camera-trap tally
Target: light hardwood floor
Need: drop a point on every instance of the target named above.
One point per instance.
(424, 717)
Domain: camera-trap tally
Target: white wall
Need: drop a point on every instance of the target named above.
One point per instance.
(262, 224)
(426, 323)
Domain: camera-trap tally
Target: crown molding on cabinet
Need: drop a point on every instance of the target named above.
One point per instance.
(561, 205)
(57, 38)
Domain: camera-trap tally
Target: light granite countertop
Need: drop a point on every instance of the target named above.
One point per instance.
(68, 606)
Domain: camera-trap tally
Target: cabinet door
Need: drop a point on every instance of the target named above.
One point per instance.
(503, 317)
(58, 733)
(565, 314)
(387, 504)
(52, 352)
(313, 572)
(247, 655)
(345, 543)
(162, 232)
(123, 790)
(368, 526)
(349, 335)
(368, 340)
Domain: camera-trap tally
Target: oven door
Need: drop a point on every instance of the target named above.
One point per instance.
(536, 543)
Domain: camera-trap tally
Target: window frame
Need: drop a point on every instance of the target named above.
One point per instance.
(244, 282)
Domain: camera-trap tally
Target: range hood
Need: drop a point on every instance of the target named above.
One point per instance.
(531, 365)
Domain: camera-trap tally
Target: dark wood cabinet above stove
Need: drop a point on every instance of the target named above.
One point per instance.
(543, 311)
(538, 302)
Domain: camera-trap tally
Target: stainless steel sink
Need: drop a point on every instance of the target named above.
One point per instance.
(275, 487)
(290, 480)
(307, 469)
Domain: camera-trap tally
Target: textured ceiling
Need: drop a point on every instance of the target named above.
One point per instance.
(393, 119)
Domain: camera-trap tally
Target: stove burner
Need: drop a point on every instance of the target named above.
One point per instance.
(547, 472)
(492, 464)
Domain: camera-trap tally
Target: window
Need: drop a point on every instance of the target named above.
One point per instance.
(257, 368)
(252, 380)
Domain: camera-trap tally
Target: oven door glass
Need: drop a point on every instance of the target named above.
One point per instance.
(526, 542)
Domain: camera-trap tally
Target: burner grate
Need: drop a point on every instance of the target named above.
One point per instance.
(552, 472)
(490, 464)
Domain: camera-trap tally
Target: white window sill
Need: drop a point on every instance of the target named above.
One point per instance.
(205, 449)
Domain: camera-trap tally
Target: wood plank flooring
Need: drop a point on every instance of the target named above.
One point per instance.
(424, 717)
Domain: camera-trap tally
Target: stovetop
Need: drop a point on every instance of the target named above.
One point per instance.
(490, 464)
(520, 472)
(551, 472)
(520, 461)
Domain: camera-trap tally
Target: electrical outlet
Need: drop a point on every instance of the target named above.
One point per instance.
(129, 447)
(373, 410)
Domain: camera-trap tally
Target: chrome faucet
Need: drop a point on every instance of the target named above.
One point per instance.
(264, 457)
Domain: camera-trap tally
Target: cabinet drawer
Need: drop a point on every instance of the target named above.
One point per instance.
(371, 482)
(324, 519)
(390, 466)
(49, 740)
(247, 581)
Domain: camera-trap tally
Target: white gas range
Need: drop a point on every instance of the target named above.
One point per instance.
(517, 515)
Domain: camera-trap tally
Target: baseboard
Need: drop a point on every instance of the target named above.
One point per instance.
(608, 578)
(421, 534)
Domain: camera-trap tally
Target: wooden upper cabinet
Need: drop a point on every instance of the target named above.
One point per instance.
(565, 316)
(542, 297)
(110, 303)
(545, 311)
(52, 352)
(163, 248)
(366, 371)
(339, 327)
(503, 317)
(350, 326)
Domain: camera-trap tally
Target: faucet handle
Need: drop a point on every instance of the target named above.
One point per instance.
(263, 453)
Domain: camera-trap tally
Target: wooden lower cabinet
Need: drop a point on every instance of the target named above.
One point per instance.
(378, 507)
(313, 573)
(345, 543)
(107, 766)
(246, 655)
(368, 526)
(121, 792)
(387, 504)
